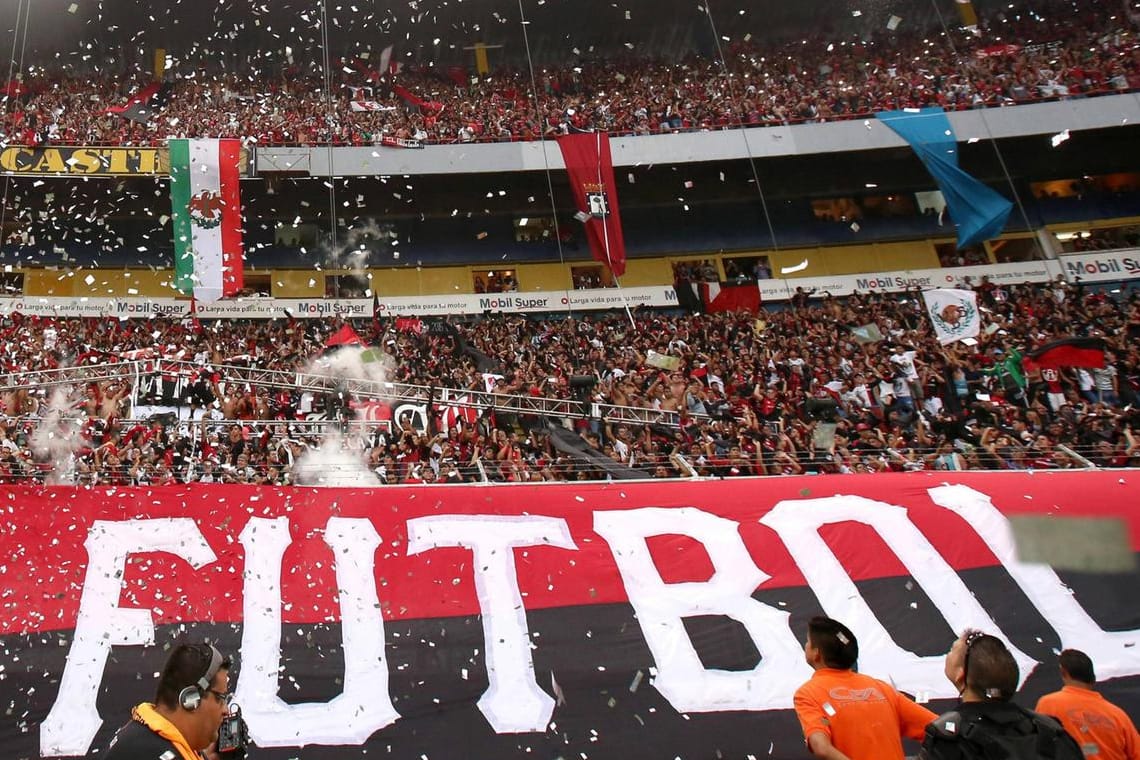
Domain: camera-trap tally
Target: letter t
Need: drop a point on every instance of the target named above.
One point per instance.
(513, 702)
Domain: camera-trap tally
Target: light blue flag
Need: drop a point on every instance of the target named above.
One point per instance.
(979, 212)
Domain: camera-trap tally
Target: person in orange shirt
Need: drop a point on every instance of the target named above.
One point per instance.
(846, 715)
(1101, 728)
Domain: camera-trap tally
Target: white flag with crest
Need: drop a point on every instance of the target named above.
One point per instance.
(954, 314)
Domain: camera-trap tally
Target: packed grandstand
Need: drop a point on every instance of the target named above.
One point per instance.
(1019, 53)
(793, 391)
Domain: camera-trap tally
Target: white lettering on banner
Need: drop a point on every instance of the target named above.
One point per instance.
(661, 608)
(798, 523)
(364, 705)
(1116, 653)
(513, 702)
(73, 721)
(1102, 266)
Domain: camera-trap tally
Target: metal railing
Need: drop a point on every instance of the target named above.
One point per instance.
(47, 378)
(144, 373)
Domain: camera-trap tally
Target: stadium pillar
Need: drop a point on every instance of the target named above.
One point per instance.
(1047, 243)
(966, 13)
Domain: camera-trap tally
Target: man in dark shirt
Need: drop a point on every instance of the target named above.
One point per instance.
(191, 701)
(986, 723)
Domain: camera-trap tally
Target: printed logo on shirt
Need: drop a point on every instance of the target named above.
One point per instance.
(1088, 719)
(845, 694)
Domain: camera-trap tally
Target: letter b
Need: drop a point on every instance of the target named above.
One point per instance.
(661, 608)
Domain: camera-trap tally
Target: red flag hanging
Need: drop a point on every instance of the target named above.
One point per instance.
(591, 170)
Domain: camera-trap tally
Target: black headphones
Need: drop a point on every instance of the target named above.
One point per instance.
(191, 697)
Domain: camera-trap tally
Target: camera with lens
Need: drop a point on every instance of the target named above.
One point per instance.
(822, 409)
(233, 735)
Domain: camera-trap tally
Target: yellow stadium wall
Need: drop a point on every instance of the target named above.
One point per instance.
(642, 272)
(297, 283)
(546, 276)
(396, 282)
(48, 282)
(848, 259)
(97, 283)
(405, 281)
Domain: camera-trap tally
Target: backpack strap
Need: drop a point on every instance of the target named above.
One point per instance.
(943, 738)
(1048, 731)
(948, 725)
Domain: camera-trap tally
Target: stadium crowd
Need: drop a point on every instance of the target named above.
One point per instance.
(804, 389)
(1017, 57)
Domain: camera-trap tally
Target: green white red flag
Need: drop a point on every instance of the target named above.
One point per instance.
(206, 209)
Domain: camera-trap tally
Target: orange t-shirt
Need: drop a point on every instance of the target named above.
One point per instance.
(1101, 728)
(864, 717)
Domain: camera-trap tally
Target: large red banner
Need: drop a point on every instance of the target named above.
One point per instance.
(591, 169)
(601, 618)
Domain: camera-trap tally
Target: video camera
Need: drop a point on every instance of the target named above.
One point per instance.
(233, 735)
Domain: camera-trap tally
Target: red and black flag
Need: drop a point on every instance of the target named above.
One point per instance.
(145, 103)
(345, 336)
(1067, 352)
(415, 102)
(591, 169)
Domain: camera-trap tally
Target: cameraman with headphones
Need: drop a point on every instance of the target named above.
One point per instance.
(190, 704)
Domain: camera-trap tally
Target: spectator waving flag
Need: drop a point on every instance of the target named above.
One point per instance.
(866, 334)
(386, 61)
(207, 217)
(954, 314)
(345, 336)
(662, 361)
(145, 103)
(1068, 352)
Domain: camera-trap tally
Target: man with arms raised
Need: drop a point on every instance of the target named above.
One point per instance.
(845, 714)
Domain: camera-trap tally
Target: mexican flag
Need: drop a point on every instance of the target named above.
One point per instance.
(207, 217)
